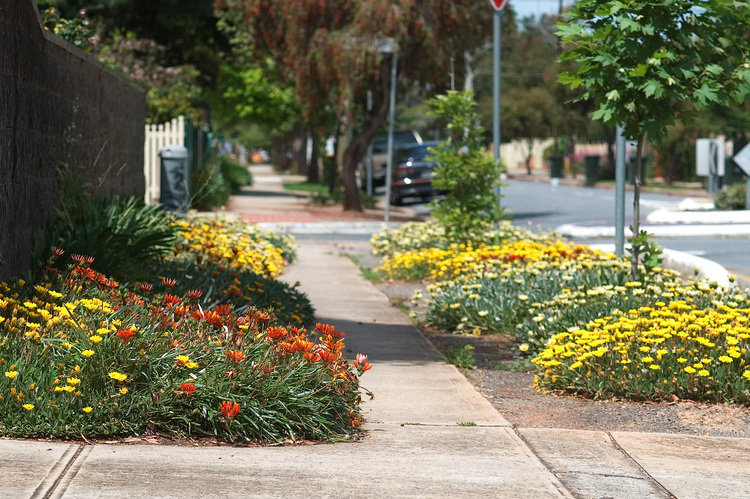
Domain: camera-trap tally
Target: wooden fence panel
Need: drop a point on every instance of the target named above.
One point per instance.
(157, 137)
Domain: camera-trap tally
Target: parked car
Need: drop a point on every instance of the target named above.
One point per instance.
(380, 154)
(412, 172)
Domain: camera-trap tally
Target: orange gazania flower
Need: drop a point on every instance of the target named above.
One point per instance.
(171, 300)
(276, 333)
(194, 294)
(229, 409)
(187, 388)
(235, 355)
(327, 356)
(312, 357)
(145, 286)
(324, 328)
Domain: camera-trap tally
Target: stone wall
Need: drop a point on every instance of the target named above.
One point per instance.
(58, 106)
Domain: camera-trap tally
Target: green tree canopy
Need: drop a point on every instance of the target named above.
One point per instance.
(648, 63)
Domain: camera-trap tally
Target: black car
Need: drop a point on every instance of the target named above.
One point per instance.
(412, 172)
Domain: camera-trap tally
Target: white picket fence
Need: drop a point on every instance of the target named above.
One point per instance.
(158, 136)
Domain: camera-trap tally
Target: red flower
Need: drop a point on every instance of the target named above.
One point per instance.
(194, 294)
(168, 283)
(125, 334)
(229, 409)
(187, 388)
(57, 251)
(145, 287)
(235, 355)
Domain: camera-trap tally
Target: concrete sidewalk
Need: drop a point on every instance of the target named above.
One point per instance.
(429, 432)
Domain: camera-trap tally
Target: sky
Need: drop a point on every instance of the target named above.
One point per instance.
(526, 8)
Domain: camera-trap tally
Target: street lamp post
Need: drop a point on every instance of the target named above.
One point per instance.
(388, 46)
(497, 17)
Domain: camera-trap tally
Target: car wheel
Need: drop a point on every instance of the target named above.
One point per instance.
(396, 201)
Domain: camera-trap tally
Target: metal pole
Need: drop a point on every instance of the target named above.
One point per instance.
(368, 159)
(391, 118)
(619, 192)
(497, 17)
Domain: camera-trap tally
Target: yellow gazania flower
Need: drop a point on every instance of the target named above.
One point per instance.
(123, 391)
(55, 294)
(96, 339)
(28, 407)
(118, 376)
(87, 409)
(87, 353)
(73, 381)
(703, 373)
(11, 374)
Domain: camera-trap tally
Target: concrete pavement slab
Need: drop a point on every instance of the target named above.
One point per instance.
(692, 466)
(590, 464)
(32, 469)
(410, 381)
(410, 461)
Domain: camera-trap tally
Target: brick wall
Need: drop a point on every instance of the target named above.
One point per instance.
(58, 106)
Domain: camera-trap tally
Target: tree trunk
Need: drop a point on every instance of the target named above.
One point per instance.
(674, 161)
(300, 150)
(609, 136)
(530, 152)
(635, 246)
(313, 171)
(357, 148)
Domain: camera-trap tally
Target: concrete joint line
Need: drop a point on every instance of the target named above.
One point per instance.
(553, 478)
(62, 473)
(454, 425)
(638, 465)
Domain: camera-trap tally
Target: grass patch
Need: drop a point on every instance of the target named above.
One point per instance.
(368, 273)
(461, 356)
(306, 187)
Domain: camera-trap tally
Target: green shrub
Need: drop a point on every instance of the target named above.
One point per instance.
(731, 197)
(236, 175)
(463, 172)
(118, 234)
(210, 189)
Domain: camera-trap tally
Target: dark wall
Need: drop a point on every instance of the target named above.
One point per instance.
(58, 106)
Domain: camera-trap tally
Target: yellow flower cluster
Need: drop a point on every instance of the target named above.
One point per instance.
(674, 348)
(464, 260)
(415, 235)
(241, 248)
